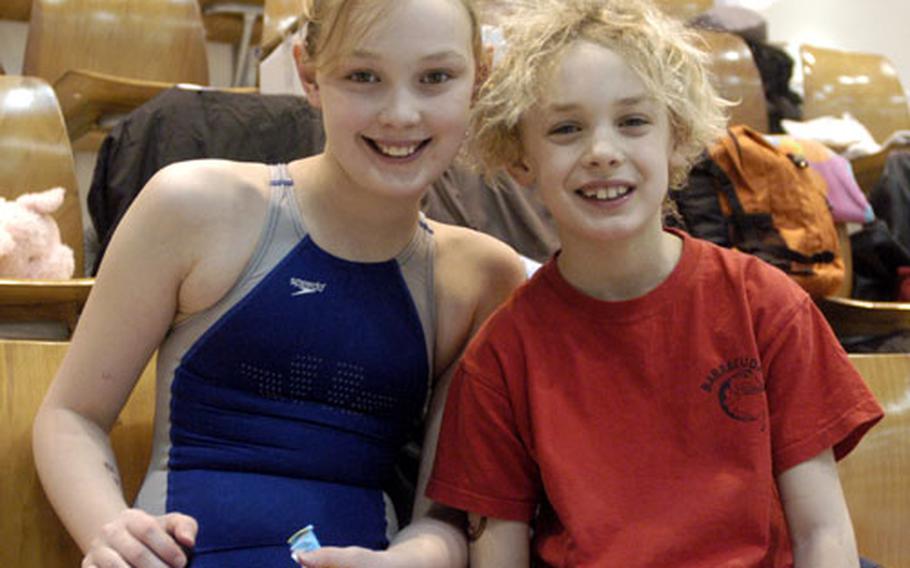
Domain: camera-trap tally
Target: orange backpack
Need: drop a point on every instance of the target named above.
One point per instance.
(777, 209)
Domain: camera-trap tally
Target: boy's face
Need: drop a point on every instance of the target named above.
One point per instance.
(395, 107)
(598, 147)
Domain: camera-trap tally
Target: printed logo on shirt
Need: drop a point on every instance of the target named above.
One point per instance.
(740, 387)
(306, 287)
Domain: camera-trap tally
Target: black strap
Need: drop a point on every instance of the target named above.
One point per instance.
(751, 226)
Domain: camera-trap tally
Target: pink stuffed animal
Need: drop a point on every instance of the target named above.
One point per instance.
(30, 244)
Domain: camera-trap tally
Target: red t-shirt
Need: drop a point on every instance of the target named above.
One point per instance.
(649, 432)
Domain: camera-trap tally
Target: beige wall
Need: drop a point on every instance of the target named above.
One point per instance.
(875, 26)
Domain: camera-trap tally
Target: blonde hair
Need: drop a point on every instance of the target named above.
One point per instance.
(330, 27)
(659, 49)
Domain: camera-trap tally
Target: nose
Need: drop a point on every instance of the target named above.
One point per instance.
(603, 150)
(400, 109)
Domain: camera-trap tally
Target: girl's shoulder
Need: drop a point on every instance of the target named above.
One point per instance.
(209, 214)
(194, 184)
(474, 274)
(476, 254)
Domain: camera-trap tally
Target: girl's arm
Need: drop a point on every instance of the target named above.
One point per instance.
(820, 526)
(132, 305)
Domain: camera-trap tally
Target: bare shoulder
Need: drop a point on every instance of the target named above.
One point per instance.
(475, 273)
(203, 190)
(477, 256)
(200, 220)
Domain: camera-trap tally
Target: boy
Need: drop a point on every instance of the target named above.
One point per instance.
(647, 399)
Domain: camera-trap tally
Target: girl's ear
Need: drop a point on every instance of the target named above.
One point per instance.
(522, 172)
(307, 72)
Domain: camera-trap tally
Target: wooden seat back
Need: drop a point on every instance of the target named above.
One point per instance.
(736, 78)
(280, 18)
(876, 475)
(15, 10)
(31, 536)
(157, 40)
(864, 84)
(684, 9)
(37, 153)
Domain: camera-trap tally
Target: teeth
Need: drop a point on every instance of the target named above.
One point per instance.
(606, 193)
(397, 151)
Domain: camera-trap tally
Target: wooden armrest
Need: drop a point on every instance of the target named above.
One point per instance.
(849, 317)
(25, 292)
(86, 97)
(24, 300)
(868, 169)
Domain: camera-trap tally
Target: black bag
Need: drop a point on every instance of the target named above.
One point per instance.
(877, 254)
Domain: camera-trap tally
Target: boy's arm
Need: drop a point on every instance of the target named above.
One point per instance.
(820, 526)
(497, 542)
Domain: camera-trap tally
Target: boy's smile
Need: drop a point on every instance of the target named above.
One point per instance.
(598, 147)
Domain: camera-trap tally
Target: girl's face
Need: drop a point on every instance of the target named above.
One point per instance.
(598, 147)
(395, 107)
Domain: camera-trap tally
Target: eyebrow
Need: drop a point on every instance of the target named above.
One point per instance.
(437, 56)
(630, 101)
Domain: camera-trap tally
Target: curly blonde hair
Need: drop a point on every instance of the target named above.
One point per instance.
(331, 27)
(659, 49)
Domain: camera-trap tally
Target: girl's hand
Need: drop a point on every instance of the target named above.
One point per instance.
(137, 539)
(348, 557)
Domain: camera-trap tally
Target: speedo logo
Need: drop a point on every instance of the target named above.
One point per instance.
(306, 287)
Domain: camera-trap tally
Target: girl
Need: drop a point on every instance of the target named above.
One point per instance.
(302, 314)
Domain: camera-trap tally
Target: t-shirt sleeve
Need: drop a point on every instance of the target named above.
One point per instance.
(483, 464)
(816, 399)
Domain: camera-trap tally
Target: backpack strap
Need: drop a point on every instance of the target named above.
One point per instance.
(752, 226)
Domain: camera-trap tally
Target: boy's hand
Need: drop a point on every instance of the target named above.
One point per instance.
(348, 557)
(140, 540)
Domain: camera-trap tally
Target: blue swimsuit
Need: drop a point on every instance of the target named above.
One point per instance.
(287, 402)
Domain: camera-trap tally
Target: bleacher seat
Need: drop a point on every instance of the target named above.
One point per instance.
(684, 9)
(37, 156)
(106, 57)
(234, 21)
(867, 86)
(874, 476)
(15, 10)
(280, 18)
(31, 536)
(736, 78)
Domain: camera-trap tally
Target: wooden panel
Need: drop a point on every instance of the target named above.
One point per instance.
(685, 9)
(159, 40)
(32, 536)
(281, 17)
(849, 317)
(736, 78)
(88, 99)
(15, 10)
(36, 152)
(228, 28)
(44, 300)
(868, 169)
(26, 292)
(876, 476)
(864, 84)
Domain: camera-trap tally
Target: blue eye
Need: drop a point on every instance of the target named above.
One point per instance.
(634, 122)
(436, 77)
(563, 129)
(363, 77)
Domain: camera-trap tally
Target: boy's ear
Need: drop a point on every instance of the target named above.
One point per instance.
(307, 72)
(522, 172)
